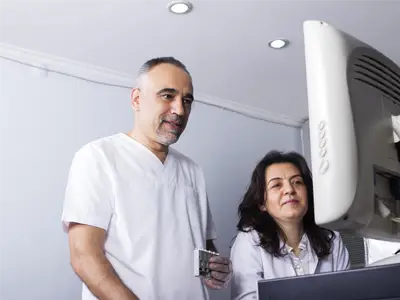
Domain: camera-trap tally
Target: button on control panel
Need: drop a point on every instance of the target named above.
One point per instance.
(322, 152)
(324, 166)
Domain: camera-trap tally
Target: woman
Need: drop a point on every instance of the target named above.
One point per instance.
(277, 235)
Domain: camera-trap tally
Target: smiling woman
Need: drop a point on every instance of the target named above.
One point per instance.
(277, 235)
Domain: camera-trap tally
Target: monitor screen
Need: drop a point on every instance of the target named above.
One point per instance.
(370, 283)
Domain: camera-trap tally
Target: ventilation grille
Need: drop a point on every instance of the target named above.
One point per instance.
(376, 74)
(356, 247)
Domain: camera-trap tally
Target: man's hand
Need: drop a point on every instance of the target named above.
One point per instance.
(221, 272)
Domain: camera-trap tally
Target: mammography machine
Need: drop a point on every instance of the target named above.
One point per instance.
(354, 118)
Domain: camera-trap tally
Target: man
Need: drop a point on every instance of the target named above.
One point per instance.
(136, 209)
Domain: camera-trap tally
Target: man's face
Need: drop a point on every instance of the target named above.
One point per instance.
(163, 103)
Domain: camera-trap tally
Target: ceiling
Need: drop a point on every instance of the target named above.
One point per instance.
(224, 43)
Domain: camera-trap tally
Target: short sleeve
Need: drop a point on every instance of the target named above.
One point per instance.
(88, 193)
(341, 259)
(247, 267)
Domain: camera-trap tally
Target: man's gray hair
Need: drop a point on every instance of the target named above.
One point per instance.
(148, 65)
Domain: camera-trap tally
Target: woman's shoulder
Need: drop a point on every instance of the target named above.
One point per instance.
(247, 236)
(246, 247)
(332, 235)
(336, 237)
(336, 241)
(339, 253)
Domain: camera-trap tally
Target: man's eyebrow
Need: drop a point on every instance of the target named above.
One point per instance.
(189, 95)
(174, 91)
(167, 90)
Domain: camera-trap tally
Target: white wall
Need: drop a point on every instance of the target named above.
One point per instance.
(43, 121)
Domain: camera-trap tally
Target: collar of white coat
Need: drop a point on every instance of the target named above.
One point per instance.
(312, 258)
(304, 244)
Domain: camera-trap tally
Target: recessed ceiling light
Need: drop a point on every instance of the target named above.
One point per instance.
(180, 7)
(278, 44)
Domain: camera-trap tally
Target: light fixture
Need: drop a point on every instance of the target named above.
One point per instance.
(180, 7)
(278, 44)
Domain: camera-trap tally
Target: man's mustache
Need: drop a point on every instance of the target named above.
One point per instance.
(176, 119)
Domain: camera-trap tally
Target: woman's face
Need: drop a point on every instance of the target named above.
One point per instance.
(286, 194)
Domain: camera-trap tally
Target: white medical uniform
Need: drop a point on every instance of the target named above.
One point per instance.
(252, 263)
(155, 215)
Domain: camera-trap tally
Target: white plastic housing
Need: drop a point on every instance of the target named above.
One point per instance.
(353, 101)
(394, 259)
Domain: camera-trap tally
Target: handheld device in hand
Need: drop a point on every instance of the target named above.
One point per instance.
(201, 259)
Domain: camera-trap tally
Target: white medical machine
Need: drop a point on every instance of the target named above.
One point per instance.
(354, 118)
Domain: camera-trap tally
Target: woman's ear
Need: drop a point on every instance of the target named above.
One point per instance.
(263, 207)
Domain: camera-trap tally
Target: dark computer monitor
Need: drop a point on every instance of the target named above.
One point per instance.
(381, 282)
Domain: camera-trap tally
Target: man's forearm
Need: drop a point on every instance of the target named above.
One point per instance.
(101, 279)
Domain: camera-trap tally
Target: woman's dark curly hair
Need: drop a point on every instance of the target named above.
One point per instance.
(252, 217)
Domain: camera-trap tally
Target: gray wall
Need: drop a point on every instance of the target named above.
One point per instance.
(305, 139)
(43, 121)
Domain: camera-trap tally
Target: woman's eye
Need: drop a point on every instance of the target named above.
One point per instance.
(275, 186)
(299, 182)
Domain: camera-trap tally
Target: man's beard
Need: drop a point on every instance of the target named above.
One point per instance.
(170, 129)
(167, 138)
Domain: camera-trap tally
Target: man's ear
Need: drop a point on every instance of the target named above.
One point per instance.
(135, 99)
